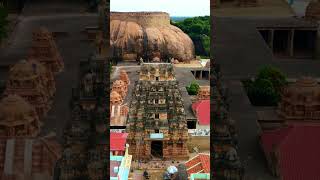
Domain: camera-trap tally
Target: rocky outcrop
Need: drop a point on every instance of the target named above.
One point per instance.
(148, 35)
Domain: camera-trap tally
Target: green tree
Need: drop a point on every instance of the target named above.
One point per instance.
(274, 75)
(3, 22)
(193, 88)
(198, 28)
(265, 89)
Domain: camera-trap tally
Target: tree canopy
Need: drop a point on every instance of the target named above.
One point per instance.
(265, 89)
(198, 28)
(193, 88)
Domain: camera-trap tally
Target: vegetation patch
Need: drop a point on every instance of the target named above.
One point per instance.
(265, 89)
(198, 28)
(193, 88)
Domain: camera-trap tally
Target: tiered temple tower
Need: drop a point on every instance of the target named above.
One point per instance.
(86, 148)
(203, 93)
(300, 101)
(18, 118)
(157, 123)
(30, 80)
(45, 50)
(226, 161)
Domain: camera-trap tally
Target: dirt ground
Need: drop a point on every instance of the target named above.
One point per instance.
(202, 143)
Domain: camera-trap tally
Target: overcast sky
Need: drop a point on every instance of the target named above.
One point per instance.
(173, 7)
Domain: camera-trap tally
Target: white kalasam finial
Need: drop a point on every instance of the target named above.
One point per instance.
(127, 149)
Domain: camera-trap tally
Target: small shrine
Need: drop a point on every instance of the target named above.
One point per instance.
(18, 118)
(115, 98)
(301, 100)
(120, 87)
(203, 93)
(124, 77)
(30, 81)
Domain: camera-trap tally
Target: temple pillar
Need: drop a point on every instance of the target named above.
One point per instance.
(271, 39)
(291, 42)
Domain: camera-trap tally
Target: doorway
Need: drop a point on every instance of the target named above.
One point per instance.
(157, 149)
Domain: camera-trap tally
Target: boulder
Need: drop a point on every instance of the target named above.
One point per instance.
(148, 35)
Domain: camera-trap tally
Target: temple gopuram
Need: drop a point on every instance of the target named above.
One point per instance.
(226, 164)
(30, 80)
(45, 50)
(157, 123)
(18, 118)
(86, 143)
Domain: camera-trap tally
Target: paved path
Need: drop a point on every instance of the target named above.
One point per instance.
(245, 116)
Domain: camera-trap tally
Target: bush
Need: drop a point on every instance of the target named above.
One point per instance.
(193, 88)
(265, 89)
(274, 75)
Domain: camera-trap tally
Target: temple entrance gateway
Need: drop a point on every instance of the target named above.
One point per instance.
(157, 149)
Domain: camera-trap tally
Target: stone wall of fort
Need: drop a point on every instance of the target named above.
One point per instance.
(145, 19)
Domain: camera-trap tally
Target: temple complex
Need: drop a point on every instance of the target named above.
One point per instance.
(18, 118)
(157, 123)
(31, 81)
(223, 136)
(45, 50)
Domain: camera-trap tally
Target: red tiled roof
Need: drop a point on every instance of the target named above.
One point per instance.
(298, 150)
(199, 163)
(118, 141)
(202, 109)
(205, 161)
